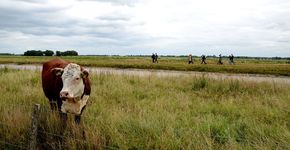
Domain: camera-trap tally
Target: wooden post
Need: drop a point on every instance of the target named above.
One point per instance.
(34, 124)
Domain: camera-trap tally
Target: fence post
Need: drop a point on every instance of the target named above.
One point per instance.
(34, 124)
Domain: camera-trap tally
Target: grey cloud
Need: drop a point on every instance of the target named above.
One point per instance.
(31, 1)
(117, 2)
(44, 25)
(114, 18)
(48, 27)
(31, 22)
(51, 21)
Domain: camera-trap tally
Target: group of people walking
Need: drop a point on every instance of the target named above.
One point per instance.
(220, 62)
(203, 59)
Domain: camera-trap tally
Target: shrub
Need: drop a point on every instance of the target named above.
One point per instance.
(220, 132)
(48, 53)
(69, 53)
(58, 53)
(33, 53)
(200, 83)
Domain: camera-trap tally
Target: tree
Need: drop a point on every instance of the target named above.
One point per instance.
(69, 53)
(48, 53)
(33, 53)
(58, 53)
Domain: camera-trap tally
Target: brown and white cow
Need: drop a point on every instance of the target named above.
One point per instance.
(67, 86)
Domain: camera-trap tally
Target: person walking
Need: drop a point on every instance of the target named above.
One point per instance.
(153, 57)
(220, 60)
(190, 60)
(203, 58)
(231, 57)
(156, 58)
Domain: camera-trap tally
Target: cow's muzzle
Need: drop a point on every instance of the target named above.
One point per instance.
(63, 94)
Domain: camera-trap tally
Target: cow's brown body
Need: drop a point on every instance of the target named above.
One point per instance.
(52, 84)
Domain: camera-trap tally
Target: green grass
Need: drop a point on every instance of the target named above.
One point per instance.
(251, 66)
(152, 112)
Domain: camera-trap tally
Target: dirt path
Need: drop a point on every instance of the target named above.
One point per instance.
(166, 73)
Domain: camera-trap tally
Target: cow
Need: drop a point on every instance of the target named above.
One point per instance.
(67, 87)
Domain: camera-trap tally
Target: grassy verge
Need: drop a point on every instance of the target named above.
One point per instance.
(153, 113)
(273, 67)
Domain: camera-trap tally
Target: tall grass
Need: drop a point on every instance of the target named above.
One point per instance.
(152, 112)
(274, 67)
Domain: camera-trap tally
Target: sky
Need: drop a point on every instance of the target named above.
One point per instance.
(143, 27)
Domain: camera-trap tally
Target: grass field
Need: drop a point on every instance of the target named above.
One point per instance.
(151, 112)
(251, 66)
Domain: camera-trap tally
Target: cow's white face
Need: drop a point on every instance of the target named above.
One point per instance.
(73, 85)
(73, 88)
(72, 79)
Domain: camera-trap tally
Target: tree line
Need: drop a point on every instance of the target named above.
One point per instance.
(50, 53)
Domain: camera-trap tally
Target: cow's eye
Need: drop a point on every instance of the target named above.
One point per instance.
(77, 78)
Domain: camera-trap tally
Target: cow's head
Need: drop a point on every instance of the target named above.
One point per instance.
(72, 78)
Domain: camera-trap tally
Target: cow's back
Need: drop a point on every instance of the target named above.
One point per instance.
(52, 84)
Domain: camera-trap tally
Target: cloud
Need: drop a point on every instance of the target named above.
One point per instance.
(116, 2)
(30, 1)
(242, 27)
(55, 28)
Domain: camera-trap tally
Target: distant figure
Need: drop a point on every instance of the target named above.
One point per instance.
(203, 58)
(220, 60)
(231, 58)
(156, 58)
(190, 61)
(153, 58)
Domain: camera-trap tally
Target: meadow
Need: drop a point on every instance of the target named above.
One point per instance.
(245, 66)
(151, 112)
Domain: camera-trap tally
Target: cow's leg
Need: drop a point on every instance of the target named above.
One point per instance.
(78, 117)
(78, 121)
(81, 128)
(63, 117)
(53, 105)
(63, 126)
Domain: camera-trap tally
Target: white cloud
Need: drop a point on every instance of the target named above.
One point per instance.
(242, 27)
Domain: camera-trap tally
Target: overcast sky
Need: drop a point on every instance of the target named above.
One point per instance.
(168, 27)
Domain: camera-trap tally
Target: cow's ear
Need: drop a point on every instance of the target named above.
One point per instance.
(57, 71)
(84, 74)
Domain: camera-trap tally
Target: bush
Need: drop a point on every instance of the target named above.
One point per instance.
(219, 132)
(33, 53)
(69, 53)
(200, 83)
(48, 53)
(58, 53)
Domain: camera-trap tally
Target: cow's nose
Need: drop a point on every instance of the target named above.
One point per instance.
(63, 94)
